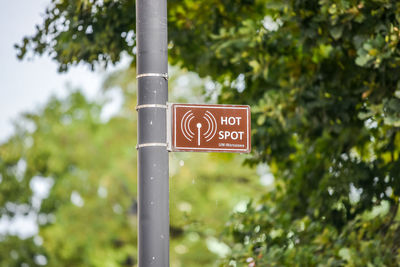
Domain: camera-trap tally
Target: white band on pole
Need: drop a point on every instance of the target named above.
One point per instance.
(151, 144)
(151, 106)
(164, 75)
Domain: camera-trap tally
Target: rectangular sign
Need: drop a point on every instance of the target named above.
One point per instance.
(209, 128)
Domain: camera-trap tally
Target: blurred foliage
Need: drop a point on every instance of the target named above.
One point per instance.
(322, 78)
(88, 162)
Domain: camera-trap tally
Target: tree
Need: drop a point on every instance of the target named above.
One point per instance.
(88, 161)
(322, 80)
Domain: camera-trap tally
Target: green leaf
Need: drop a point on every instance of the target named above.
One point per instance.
(336, 32)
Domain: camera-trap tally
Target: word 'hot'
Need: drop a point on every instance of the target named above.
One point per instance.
(230, 120)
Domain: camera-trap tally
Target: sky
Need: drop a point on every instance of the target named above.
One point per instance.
(27, 85)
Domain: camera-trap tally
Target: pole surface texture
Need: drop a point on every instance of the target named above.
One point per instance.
(153, 178)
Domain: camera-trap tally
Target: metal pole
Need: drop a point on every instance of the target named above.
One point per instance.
(153, 184)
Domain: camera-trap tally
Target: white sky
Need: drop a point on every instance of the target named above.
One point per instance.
(26, 85)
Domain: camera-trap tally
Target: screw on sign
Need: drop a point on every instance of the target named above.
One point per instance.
(210, 128)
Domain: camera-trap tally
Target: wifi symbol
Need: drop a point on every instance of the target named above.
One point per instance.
(208, 118)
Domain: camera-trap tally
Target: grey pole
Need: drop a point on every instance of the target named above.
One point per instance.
(153, 184)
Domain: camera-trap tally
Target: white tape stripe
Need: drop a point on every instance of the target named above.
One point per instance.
(151, 106)
(150, 144)
(164, 75)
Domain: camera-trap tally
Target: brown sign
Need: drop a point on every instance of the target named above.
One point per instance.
(210, 128)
